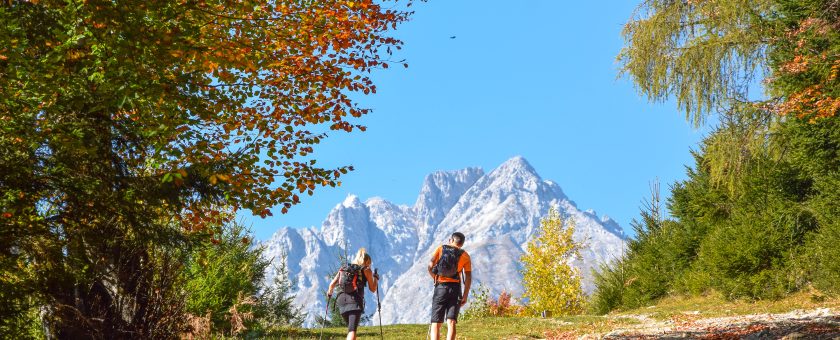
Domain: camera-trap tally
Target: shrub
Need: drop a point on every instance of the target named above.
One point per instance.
(479, 304)
(821, 254)
(483, 305)
(502, 306)
(610, 282)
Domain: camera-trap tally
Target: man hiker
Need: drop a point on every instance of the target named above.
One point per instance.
(449, 263)
(351, 279)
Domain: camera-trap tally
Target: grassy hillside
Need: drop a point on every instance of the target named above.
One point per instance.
(488, 328)
(670, 311)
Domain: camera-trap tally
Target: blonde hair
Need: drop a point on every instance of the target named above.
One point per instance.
(361, 257)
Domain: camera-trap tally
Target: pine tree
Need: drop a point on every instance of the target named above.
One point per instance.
(219, 275)
(278, 301)
(551, 283)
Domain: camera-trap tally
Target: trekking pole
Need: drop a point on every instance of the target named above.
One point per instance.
(324, 323)
(429, 333)
(378, 304)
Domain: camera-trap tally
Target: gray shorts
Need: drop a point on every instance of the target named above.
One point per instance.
(446, 301)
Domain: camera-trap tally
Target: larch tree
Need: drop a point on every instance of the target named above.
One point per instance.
(701, 53)
(551, 282)
(127, 126)
(709, 55)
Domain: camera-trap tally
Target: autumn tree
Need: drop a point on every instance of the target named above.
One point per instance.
(127, 126)
(551, 282)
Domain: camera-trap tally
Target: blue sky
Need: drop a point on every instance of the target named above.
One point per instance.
(532, 78)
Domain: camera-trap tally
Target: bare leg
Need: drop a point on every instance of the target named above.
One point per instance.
(434, 332)
(351, 335)
(450, 329)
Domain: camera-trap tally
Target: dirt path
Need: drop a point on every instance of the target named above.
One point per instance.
(823, 323)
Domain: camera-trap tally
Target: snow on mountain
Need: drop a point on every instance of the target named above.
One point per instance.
(498, 212)
(440, 192)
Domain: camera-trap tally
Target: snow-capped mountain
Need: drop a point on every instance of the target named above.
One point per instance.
(498, 212)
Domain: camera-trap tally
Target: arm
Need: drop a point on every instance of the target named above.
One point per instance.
(435, 257)
(373, 282)
(333, 283)
(431, 265)
(467, 284)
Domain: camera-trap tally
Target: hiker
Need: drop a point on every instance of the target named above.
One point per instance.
(351, 279)
(448, 263)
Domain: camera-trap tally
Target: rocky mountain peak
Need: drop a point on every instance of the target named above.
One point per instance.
(441, 190)
(351, 201)
(515, 168)
(498, 211)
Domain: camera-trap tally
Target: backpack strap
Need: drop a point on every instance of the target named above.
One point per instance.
(458, 253)
(358, 276)
(442, 249)
(436, 263)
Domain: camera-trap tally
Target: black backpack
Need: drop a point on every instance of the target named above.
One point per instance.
(351, 278)
(447, 265)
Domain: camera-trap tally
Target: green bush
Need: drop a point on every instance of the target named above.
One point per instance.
(749, 259)
(815, 148)
(610, 282)
(821, 259)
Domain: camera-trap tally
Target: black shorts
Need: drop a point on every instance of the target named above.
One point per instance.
(352, 319)
(446, 301)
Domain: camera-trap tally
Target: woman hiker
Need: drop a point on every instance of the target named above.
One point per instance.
(351, 279)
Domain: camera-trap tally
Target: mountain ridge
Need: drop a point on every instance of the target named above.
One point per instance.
(498, 211)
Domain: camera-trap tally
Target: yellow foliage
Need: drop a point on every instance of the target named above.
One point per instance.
(551, 283)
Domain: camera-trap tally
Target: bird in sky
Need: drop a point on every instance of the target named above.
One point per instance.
(452, 37)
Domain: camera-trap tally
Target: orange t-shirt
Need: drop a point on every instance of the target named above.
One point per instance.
(463, 264)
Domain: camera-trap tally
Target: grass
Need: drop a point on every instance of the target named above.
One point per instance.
(485, 328)
(712, 305)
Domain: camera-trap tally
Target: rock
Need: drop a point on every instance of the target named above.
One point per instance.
(794, 335)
